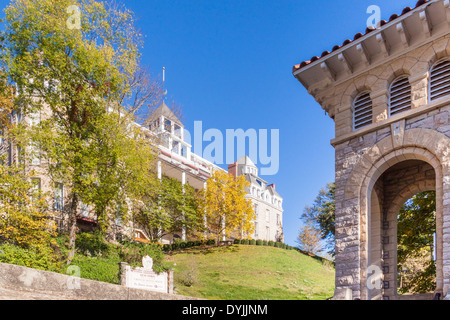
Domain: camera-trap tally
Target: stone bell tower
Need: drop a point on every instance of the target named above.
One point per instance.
(388, 92)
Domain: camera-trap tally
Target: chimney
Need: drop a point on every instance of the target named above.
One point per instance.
(232, 169)
(272, 185)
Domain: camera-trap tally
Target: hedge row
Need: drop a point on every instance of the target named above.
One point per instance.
(187, 244)
(264, 243)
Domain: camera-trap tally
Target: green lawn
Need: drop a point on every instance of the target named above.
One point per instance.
(244, 272)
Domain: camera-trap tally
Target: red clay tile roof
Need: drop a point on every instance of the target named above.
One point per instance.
(357, 36)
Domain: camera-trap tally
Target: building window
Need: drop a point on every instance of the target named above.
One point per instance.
(59, 196)
(256, 211)
(184, 151)
(35, 152)
(165, 140)
(256, 230)
(154, 126)
(84, 210)
(278, 219)
(440, 80)
(35, 118)
(267, 215)
(177, 131)
(176, 147)
(168, 125)
(399, 96)
(362, 111)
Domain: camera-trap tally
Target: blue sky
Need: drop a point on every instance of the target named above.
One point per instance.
(229, 64)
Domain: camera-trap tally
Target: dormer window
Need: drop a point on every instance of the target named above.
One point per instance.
(440, 80)
(154, 125)
(362, 111)
(177, 131)
(168, 125)
(399, 96)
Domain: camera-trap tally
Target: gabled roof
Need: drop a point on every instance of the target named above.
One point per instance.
(164, 110)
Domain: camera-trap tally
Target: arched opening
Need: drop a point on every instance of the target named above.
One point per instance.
(416, 245)
(397, 219)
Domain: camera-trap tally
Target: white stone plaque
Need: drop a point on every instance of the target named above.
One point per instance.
(145, 278)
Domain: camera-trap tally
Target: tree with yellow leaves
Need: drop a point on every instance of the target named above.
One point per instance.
(227, 211)
(25, 219)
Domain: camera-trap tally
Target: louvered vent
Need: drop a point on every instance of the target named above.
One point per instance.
(400, 96)
(440, 80)
(362, 115)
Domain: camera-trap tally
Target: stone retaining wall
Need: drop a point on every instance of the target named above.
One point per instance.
(12, 276)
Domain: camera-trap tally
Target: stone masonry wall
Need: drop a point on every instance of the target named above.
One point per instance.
(420, 133)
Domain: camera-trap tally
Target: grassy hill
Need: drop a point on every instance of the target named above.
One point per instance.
(244, 272)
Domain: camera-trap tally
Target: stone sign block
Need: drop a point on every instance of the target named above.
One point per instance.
(145, 278)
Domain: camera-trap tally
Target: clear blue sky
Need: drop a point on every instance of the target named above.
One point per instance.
(229, 64)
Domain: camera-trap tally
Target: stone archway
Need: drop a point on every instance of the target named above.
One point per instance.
(393, 188)
(355, 211)
(427, 184)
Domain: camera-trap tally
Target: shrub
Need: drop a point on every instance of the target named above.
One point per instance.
(259, 242)
(105, 269)
(211, 242)
(190, 244)
(182, 245)
(197, 243)
(174, 246)
(134, 252)
(91, 244)
(271, 243)
(252, 242)
(237, 241)
(42, 258)
(246, 242)
(189, 276)
(167, 247)
(265, 243)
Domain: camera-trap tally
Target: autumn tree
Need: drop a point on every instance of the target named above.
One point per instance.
(77, 77)
(225, 206)
(309, 240)
(25, 218)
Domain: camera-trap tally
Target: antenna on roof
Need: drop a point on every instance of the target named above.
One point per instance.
(164, 82)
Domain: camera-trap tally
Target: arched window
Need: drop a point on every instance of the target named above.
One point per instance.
(399, 96)
(362, 111)
(440, 80)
